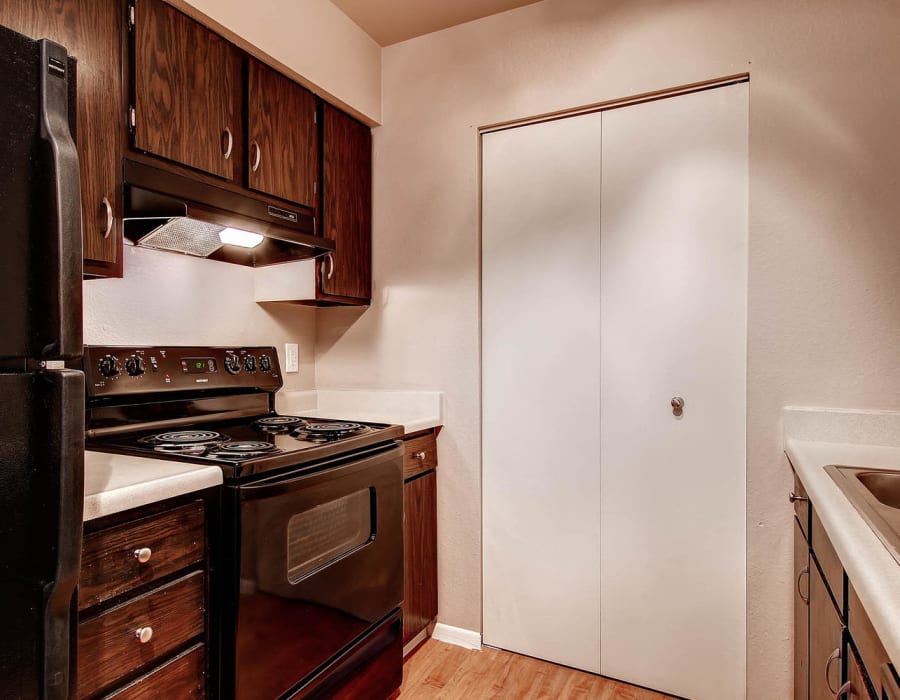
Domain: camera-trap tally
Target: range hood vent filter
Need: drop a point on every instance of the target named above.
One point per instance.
(184, 235)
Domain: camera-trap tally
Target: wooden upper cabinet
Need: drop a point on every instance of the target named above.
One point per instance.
(92, 31)
(186, 90)
(347, 207)
(283, 153)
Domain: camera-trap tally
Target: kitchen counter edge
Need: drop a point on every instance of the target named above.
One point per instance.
(115, 483)
(872, 571)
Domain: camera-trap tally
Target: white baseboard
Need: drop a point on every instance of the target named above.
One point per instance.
(457, 635)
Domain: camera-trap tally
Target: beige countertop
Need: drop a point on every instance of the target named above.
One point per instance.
(414, 410)
(872, 571)
(113, 483)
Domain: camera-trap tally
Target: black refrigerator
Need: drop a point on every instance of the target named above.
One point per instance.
(41, 400)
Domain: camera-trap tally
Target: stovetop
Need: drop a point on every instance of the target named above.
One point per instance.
(251, 446)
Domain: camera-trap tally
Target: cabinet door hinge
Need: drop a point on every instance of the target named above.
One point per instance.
(132, 119)
(131, 15)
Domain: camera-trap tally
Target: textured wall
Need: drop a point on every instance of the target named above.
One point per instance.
(824, 315)
(172, 299)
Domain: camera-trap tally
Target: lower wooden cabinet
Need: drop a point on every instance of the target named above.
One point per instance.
(837, 653)
(420, 601)
(143, 602)
(801, 613)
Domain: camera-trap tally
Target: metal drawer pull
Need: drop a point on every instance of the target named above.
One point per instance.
(844, 689)
(419, 455)
(330, 265)
(227, 134)
(677, 404)
(804, 598)
(143, 554)
(256, 157)
(835, 656)
(794, 498)
(143, 634)
(110, 219)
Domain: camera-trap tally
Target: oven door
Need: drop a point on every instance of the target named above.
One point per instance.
(321, 563)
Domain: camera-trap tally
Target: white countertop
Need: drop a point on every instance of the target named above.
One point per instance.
(414, 410)
(872, 571)
(113, 483)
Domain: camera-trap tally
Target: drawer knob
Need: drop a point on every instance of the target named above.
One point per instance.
(143, 634)
(419, 455)
(143, 554)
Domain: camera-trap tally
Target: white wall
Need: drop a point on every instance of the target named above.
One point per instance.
(824, 298)
(310, 40)
(172, 299)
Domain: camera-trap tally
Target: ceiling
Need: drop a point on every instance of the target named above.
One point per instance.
(390, 21)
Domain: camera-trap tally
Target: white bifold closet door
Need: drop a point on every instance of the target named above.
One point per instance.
(541, 390)
(614, 280)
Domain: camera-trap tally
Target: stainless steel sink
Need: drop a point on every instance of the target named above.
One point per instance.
(875, 493)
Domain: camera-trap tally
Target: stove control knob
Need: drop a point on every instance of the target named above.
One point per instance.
(250, 363)
(232, 363)
(134, 365)
(265, 363)
(109, 366)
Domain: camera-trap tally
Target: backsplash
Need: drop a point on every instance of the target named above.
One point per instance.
(170, 299)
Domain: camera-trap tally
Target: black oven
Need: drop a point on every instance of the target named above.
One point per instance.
(312, 575)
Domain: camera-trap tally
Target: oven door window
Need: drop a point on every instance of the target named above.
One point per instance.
(328, 532)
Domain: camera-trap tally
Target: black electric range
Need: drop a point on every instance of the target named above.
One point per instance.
(310, 561)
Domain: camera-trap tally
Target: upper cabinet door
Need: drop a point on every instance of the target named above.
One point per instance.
(282, 136)
(186, 83)
(347, 207)
(91, 30)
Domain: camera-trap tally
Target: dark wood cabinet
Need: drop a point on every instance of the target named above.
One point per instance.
(345, 276)
(92, 32)
(282, 133)
(186, 90)
(801, 613)
(837, 653)
(825, 639)
(420, 602)
(142, 601)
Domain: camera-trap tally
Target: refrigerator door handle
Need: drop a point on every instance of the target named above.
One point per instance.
(67, 386)
(60, 326)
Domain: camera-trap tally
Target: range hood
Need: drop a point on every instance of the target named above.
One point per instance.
(167, 211)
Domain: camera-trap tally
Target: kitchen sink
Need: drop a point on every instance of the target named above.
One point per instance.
(875, 493)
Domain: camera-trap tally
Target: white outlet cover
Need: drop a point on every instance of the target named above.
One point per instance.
(291, 357)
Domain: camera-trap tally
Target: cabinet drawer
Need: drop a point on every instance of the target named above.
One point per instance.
(419, 455)
(182, 677)
(828, 560)
(862, 632)
(108, 646)
(110, 565)
(858, 690)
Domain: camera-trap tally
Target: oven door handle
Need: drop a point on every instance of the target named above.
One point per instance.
(285, 483)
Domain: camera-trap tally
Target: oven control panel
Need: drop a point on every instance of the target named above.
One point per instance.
(119, 371)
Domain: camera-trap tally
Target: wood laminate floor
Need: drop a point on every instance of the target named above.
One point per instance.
(439, 670)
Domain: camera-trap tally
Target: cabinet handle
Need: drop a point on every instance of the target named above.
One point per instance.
(143, 634)
(794, 498)
(843, 690)
(419, 455)
(110, 219)
(804, 598)
(227, 134)
(143, 554)
(835, 656)
(257, 156)
(330, 266)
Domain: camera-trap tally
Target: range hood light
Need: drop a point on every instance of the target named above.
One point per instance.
(243, 239)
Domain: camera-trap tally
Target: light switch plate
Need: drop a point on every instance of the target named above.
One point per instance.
(291, 357)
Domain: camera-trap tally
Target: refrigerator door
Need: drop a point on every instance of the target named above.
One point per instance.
(40, 202)
(41, 504)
